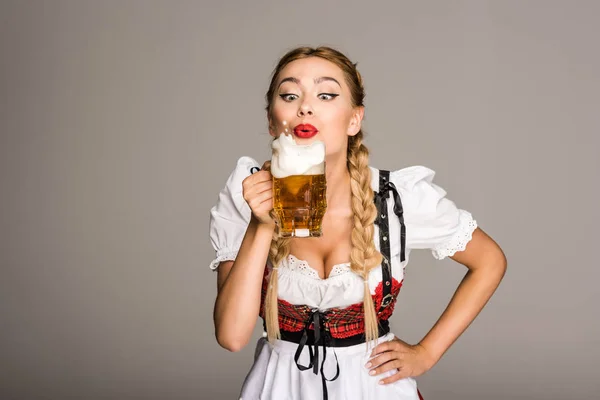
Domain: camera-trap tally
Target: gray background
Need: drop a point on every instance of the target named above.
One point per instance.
(121, 120)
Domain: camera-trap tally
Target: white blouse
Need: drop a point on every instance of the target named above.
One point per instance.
(432, 222)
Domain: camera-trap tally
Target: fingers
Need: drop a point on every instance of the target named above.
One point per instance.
(262, 187)
(256, 183)
(380, 359)
(391, 364)
(385, 363)
(257, 177)
(380, 348)
(388, 356)
(257, 200)
(394, 377)
(392, 345)
(258, 193)
(385, 346)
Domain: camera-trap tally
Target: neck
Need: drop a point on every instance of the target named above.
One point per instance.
(338, 183)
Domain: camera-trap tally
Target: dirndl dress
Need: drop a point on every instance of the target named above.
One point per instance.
(322, 352)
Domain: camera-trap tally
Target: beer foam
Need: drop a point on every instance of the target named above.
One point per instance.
(290, 158)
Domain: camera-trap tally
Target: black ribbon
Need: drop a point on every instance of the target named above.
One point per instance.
(381, 204)
(319, 339)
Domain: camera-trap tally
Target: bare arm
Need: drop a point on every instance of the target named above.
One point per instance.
(239, 286)
(487, 264)
(240, 281)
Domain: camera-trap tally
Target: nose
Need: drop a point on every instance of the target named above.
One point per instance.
(305, 109)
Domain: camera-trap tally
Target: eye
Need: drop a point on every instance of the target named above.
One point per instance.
(327, 96)
(288, 96)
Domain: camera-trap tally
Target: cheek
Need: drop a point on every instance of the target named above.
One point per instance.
(338, 123)
(282, 113)
(336, 114)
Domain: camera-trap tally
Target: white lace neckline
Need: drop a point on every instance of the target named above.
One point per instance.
(302, 267)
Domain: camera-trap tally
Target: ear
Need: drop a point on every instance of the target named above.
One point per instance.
(356, 121)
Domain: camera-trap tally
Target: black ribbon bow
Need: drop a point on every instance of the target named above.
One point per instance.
(316, 319)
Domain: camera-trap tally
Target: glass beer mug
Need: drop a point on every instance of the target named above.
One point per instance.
(299, 187)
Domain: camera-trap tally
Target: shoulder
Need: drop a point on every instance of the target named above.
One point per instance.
(416, 188)
(433, 221)
(230, 197)
(407, 178)
(244, 166)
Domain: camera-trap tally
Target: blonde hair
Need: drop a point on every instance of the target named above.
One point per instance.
(363, 256)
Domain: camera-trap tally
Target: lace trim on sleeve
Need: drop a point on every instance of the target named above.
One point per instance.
(458, 242)
(226, 255)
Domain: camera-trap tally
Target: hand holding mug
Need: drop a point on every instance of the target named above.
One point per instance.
(258, 193)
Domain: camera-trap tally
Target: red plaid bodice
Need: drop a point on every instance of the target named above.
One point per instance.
(340, 322)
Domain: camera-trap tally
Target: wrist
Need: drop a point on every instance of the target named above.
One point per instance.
(268, 226)
(429, 356)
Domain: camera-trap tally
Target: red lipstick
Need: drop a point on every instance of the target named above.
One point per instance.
(305, 131)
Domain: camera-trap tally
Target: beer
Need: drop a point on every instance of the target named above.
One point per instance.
(299, 202)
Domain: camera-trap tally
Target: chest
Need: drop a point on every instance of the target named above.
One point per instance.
(331, 249)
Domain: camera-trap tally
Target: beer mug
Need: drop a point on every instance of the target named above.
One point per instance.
(299, 187)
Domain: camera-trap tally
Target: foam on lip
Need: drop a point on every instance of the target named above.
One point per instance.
(290, 158)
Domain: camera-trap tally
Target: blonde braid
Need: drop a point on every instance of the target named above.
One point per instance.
(280, 248)
(364, 256)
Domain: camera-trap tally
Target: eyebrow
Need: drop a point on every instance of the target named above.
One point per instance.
(327, 78)
(317, 80)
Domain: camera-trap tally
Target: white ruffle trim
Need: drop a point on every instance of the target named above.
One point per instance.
(226, 255)
(458, 242)
(302, 267)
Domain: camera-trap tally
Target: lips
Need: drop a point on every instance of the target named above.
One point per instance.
(305, 131)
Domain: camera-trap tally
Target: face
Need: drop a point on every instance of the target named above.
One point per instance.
(312, 92)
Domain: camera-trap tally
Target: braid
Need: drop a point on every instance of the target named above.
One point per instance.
(364, 256)
(280, 248)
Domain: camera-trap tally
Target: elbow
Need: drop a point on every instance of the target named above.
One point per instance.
(233, 347)
(231, 343)
(494, 261)
(495, 264)
(496, 267)
(502, 263)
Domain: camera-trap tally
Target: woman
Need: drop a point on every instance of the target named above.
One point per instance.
(326, 301)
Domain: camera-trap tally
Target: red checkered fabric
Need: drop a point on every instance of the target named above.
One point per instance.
(340, 322)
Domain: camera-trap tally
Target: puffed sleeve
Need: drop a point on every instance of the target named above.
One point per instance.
(432, 220)
(229, 218)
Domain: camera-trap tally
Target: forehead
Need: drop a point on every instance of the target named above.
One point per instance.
(310, 68)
